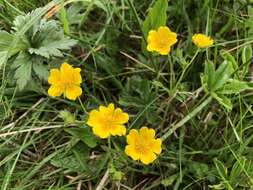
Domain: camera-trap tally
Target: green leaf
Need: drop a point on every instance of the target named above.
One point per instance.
(41, 70)
(246, 53)
(3, 57)
(157, 17)
(222, 74)
(53, 48)
(23, 71)
(246, 57)
(230, 58)
(84, 134)
(169, 180)
(237, 170)
(217, 186)
(64, 20)
(222, 171)
(223, 100)
(233, 87)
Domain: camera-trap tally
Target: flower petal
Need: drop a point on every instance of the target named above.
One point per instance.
(147, 158)
(101, 131)
(54, 76)
(55, 90)
(147, 133)
(156, 146)
(118, 130)
(94, 118)
(77, 79)
(120, 117)
(72, 92)
(130, 151)
(133, 136)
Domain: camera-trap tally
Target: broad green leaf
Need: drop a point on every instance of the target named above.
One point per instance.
(223, 100)
(233, 87)
(222, 74)
(157, 17)
(41, 70)
(23, 72)
(84, 134)
(53, 48)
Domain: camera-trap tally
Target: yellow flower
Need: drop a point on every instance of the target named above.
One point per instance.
(202, 41)
(161, 40)
(65, 80)
(142, 145)
(108, 121)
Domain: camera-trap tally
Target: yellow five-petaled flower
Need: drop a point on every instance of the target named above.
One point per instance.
(202, 41)
(65, 80)
(108, 121)
(142, 145)
(161, 40)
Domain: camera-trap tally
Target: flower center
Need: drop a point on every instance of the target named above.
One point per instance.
(141, 147)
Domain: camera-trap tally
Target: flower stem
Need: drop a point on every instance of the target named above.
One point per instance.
(85, 111)
(187, 118)
(185, 69)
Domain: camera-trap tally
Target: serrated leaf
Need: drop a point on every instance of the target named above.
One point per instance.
(53, 48)
(23, 71)
(233, 87)
(84, 134)
(70, 162)
(41, 70)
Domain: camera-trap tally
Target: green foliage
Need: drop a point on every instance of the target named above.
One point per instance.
(44, 41)
(42, 147)
(157, 16)
(220, 82)
(139, 95)
(84, 134)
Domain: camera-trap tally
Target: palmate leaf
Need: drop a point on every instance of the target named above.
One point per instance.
(23, 71)
(48, 40)
(41, 70)
(44, 40)
(53, 48)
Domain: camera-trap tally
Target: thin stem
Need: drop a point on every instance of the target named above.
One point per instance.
(85, 111)
(137, 18)
(185, 69)
(187, 118)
